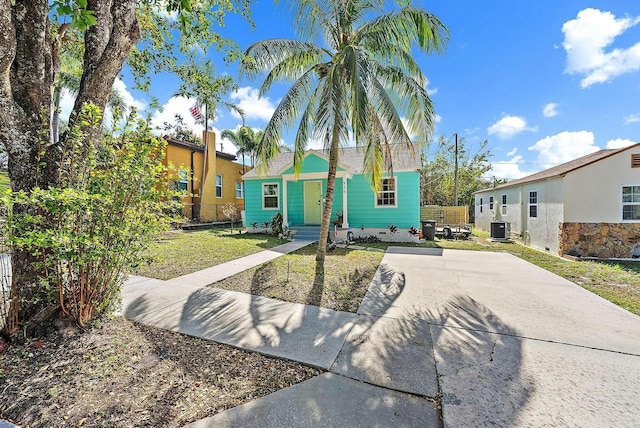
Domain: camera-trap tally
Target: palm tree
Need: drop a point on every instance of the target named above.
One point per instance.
(246, 139)
(358, 84)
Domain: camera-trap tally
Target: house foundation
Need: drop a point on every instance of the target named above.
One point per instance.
(601, 240)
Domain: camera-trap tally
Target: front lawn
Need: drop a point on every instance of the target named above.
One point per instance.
(296, 278)
(179, 252)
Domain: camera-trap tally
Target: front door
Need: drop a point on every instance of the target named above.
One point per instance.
(312, 202)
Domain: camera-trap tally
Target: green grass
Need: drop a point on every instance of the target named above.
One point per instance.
(297, 278)
(179, 253)
(617, 282)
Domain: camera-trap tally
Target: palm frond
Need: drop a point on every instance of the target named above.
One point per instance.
(356, 62)
(410, 98)
(405, 27)
(292, 67)
(265, 55)
(386, 112)
(313, 19)
(283, 118)
(305, 130)
(331, 122)
(374, 161)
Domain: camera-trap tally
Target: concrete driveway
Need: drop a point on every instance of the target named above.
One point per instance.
(515, 345)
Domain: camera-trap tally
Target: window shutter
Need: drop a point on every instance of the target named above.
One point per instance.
(635, 160)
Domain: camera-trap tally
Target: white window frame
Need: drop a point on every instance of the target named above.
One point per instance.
(503, 206)
(218, 186)
(377, 195)
(532, 204)
(491, 203)
(480, 205)
(632, 203)
(240, 189)
(277, 196)
(183, 179)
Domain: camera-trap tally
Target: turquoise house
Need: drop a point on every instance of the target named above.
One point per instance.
(363, 211)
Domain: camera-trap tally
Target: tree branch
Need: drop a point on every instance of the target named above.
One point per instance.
(107, 45)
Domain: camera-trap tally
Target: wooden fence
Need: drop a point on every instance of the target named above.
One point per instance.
(445, 215)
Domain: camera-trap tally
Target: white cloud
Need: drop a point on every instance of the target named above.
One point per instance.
(550, 110)
(512, 152)
(437, 118)
(619, 143)
(632, 118)
(509, 126)
(254, 107)
(509, 169)
(564, 147)
(67, 100)
(586, 38)
(120, 87)
(177, 105)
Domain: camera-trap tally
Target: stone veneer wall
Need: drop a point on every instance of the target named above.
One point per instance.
(603, 240)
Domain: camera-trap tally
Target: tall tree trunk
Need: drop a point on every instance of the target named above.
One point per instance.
(326, 214)
(25, 94)
(27, 73)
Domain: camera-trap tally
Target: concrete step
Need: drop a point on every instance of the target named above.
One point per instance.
(306, 233)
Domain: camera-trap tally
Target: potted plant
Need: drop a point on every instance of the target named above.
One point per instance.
(338, 222)
(392, 230)
(414, 234)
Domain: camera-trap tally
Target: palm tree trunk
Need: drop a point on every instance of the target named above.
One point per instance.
(326, 215)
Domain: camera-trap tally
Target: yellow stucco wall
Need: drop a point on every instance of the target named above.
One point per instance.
(231, 172)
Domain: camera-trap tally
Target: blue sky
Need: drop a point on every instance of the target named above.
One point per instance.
(544, 81)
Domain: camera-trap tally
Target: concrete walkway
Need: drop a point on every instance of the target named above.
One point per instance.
(501, 341)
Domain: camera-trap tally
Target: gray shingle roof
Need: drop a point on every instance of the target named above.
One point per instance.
(349, 158)
(565, 168)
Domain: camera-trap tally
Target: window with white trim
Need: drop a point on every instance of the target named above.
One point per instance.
(239, 190)
(480, 205)
(218, 186)
(387, 195)
(183, 180)
(533, 204)
(503, 208)
(490, 202)
(630, 202)
(270, 196)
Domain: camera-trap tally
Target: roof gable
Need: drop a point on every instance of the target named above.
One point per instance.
(313, 162)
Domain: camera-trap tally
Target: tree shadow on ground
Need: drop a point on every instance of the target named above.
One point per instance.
(479, 360)
(314, 297)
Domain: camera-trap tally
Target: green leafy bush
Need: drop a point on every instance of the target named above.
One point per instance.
(112, 198)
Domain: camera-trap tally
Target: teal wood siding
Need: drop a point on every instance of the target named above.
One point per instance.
(312, 163)
(295, 200)
(362, 209)
(253, 201)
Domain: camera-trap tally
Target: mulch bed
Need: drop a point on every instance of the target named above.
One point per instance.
(119, 373)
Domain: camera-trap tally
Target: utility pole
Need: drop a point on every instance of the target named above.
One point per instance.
(455, 179)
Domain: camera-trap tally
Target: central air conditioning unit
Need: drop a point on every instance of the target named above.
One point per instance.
(500, 230)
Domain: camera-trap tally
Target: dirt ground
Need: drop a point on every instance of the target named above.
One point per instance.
(122, 374)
